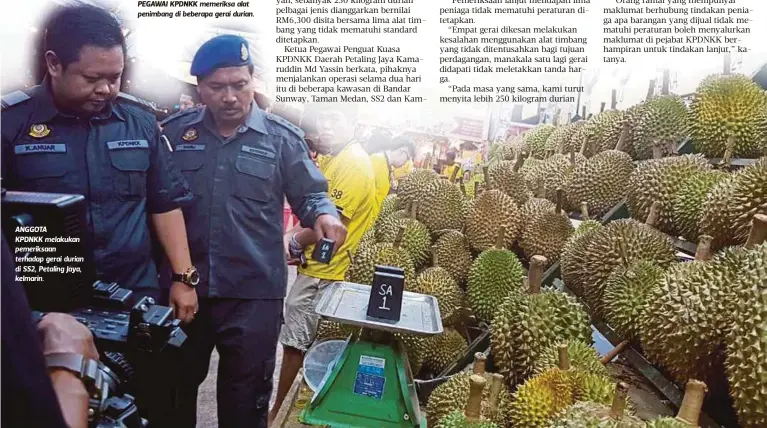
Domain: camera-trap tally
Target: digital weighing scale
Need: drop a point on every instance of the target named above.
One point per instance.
(371, 384)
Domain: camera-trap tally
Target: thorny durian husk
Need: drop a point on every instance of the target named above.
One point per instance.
(663, 124)
(588, 265)
(453, 253)
(627, 293)
(687, 209)
(495, 274)
(587, 414)
(445, 349)
(416, 240)
(440, 206)
(729, 106)
(510, 182)
(573, 254)
(367, 257)
(492, 209)
(331, 330)
(525, 325)
(582, 357)
(454, 394)
(660, 180)
(411, 186)
(546, 235)
(732, 203)
(601, 182)
(556, 172)
(535, 140)
(437, 282)
(746, 339)
(540, 398)
(457, 419)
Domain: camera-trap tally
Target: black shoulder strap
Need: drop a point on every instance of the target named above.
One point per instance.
(14, 98)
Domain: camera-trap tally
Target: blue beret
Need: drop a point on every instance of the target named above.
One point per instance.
(221, 51)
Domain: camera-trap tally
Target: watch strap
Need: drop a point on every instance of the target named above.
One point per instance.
(86, 369)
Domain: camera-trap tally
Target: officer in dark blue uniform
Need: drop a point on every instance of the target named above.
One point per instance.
(75, 134)
(241, 163)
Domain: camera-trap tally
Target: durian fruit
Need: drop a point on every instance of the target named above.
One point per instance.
(572, 253)
(535, 140)
(445, 349)
(417, 239)
(534, 208)
(556, 172)
(532, 172)
(598, 133)
(504, 177)
(583, 357)
(732, 203)
(492, 209)
(331, 330)
(438, 282)
(385, 224)
(662, 127)
(548, 233)
(627, 292)
(467, 202)
(417, 348)
(453, 253)
(471, 417)
(660, 180)
(388, 206)
(527, 324)
(729, 106)
(541, 397)
(495, 274)
(366, 258)
(453, 395)
(689, 410)
(687, 208)
(411, 186)
(602, 181)
(625, 129)
(439, 207)
(682, 326)
(587, 414)
(587, 265)
(746, 340)
(474, 183)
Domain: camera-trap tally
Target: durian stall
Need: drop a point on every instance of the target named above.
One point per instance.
(666, 261)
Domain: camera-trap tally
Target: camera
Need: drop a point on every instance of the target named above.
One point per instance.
(137, 339)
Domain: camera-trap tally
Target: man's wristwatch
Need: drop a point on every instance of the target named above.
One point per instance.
(91, 372)
(191, 277)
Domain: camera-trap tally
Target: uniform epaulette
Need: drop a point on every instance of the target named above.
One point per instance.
(130, 99)
(286, 123)
(180, 113)
(14, 98)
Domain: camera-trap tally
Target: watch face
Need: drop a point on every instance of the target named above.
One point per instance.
(194, 277)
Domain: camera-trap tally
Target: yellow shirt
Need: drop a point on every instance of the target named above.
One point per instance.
(403, 170)
(351, 186)
(382, 173)
(449, 169)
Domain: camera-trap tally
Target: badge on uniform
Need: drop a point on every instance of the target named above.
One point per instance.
(190, 135)
(243, 52)
(39, 130)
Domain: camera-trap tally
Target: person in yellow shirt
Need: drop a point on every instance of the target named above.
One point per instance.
(452, 169)
(396, 154)
(351, 186)
(403, 170)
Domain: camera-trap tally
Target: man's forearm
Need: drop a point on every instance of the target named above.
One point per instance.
(171, 231)
(72, 396)
(305, 237)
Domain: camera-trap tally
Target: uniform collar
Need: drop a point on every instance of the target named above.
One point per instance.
(46, 108)
(256, 119)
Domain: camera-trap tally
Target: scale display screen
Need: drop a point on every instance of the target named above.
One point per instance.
(370, 380)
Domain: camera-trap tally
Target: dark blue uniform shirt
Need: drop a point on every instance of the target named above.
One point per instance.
(117, 160)
(235, 225)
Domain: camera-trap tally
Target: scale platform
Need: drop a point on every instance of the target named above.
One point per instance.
(370, 385)
(347, 303)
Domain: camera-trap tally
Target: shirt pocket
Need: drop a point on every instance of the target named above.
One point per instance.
(253, 177)
(130, 163)
(43, 166)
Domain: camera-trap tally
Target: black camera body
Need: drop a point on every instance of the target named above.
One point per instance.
(132, 335)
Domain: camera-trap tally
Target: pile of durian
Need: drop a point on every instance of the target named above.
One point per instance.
(481, 246)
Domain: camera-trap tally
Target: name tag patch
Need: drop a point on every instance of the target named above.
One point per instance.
(127, 144)
(190, 147)
(258, 152)
(23, 149)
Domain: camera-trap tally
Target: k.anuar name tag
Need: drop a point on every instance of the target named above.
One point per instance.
(128, 144)
(190, 148)
(257, 151)
(23, 149)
